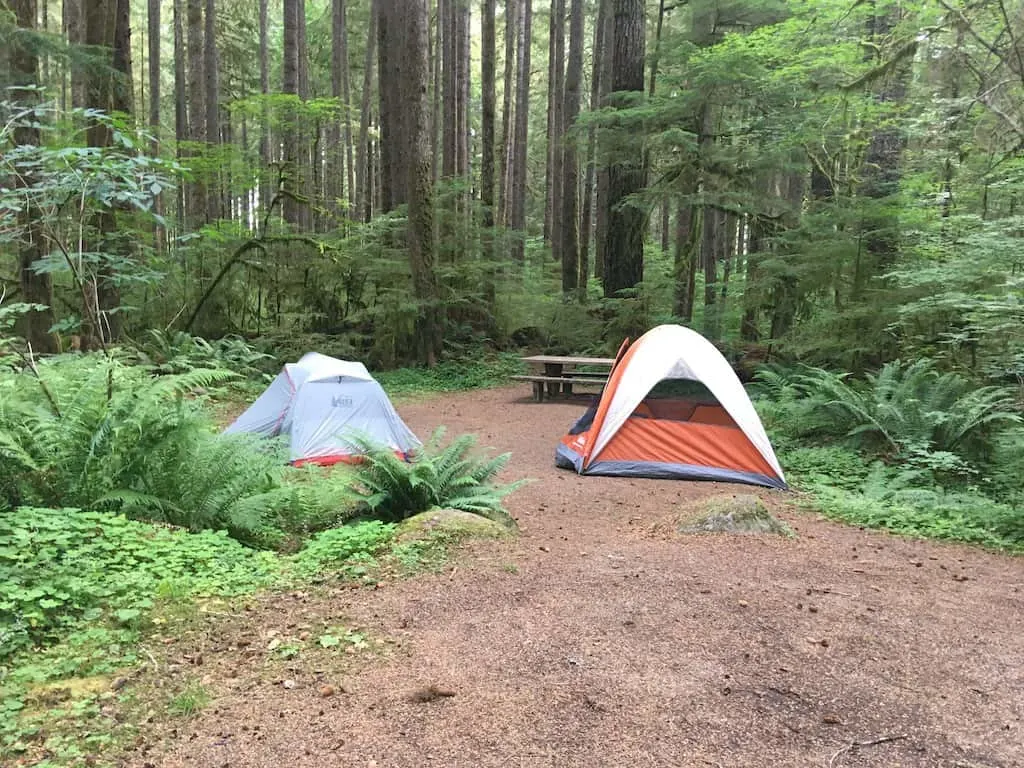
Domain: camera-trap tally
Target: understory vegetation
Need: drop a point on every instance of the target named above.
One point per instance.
(910, 449)
(123, 508)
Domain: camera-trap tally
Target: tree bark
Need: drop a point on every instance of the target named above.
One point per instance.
(685, 266)
(625, 239)
(487, 78)
(881, 174)
(34, 326)
(364, 189)
(570, 161)
(290, 85)
(601, 193)
(212, 102)
(505, 158)
(335, 182)
(595, 103)
(413, 16)
(181, 132)
(556, 128)
(522, 122)
(266, 153)
(196, 95)
(107, 26)
(153, 39)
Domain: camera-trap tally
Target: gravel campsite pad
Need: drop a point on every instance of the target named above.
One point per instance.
(603, 637)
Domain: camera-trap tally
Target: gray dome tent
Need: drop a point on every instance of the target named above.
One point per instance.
(321, 403)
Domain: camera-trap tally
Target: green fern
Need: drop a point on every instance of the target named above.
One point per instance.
(104, 435)
(910, 411)
(434, 477)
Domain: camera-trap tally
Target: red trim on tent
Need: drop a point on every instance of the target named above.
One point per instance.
(340, 458)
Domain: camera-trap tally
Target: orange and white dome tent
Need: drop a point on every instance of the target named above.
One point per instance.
(673, 408)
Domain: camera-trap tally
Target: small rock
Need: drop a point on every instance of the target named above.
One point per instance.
(544, 549)
(743, 603)
(831, 720)
(289, 684)
(304, 636)
(326, 691)
(119, 683)
(812, 608)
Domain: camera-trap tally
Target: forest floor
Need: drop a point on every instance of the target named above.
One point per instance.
(602, 638)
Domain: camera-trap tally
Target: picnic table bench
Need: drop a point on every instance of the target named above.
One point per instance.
(561, 372)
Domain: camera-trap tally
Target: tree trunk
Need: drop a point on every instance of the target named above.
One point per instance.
(447, 48)
(364, 189)
(708, 256)
(570, 161)
(624, 261)
(881, 173)
(601, 193)
(34, 326)
(522, 122)
(107, 26)
(212, 99)
(505, 158)
(751, 304)
(334, 187)
(290, 85)
(411, 47)
(196, 98)
(392, 64)
(266, 152)
(595, 102)
(487, 69)
(685, 267)
(556, 105)
(153, 40)
(74, 24)
(181, 132)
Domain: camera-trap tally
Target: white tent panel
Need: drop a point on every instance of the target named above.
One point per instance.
(675, 352)
(328, 414)
(267, 415)
(322, 403)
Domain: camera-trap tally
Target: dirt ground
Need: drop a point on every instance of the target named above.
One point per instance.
(599, 639)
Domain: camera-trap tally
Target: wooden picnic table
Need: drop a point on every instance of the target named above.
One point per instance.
(562, 371)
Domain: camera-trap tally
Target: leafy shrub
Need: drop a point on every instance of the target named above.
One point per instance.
(825, 465)
(94, 433)
(62, 567)
(451, 375)
(892, 501)
(434, 477)
(169, 352)
(938, 422)
(339, 546)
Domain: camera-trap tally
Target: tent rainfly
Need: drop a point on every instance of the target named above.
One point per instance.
(320, 403)
(673, 408)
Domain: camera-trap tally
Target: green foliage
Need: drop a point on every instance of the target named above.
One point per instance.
(190, 701)
(434, 477)
(60, 568)
(451, 375)
(340, 548)
(896, 502)
(166, 352)
(93, 433)
(937, 422)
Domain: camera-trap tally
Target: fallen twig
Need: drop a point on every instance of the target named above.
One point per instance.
(858, 744)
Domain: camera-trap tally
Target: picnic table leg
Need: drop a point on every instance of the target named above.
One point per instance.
(538, 392)
(553, 369)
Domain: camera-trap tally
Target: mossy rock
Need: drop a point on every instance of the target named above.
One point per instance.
(452, 523)
(741, 513)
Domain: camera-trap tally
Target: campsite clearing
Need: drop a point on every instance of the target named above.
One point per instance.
(602, 638)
